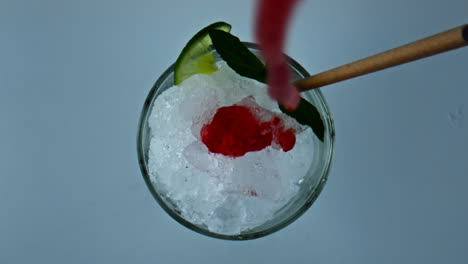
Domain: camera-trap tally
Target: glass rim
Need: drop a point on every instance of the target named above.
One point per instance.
(327, 118)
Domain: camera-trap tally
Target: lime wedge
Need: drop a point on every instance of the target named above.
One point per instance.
(196, 56)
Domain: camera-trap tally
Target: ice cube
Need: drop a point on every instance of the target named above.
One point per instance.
(255, 175)
(199, 99)
(217, 165)
(229, 216)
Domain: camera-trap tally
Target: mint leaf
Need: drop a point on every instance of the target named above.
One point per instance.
(246, 64)
(237, 56)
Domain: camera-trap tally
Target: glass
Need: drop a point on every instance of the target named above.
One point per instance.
(310, 186)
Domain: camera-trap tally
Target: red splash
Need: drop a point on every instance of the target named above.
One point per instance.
(270, 29)
(235, 130)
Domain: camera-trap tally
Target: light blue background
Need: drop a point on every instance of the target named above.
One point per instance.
(74, 76)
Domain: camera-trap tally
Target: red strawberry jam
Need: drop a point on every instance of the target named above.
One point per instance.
(235, 130)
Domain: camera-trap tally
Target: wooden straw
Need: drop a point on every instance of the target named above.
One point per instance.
(441, 42)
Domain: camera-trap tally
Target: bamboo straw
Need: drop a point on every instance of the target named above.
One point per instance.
(435, 44)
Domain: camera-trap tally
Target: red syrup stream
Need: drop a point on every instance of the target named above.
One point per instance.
(270, 31)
